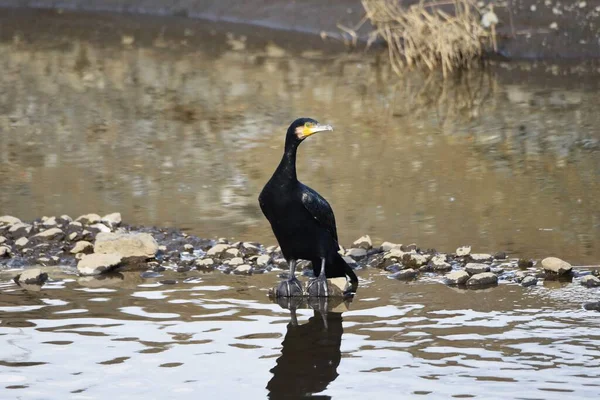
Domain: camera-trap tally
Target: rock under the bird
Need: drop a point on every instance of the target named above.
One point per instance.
(463, 251)
(456, 278)
(590, 281)
(363, 242)
(126, 244)
(556, 266)
(95, 264)
(482, 279)
(82, 247)
(32, 276)
(476, 268)
(529, 281)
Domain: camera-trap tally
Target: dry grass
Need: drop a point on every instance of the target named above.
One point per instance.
(433, 34)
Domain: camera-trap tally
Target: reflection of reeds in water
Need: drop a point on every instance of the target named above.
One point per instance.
(425, 35)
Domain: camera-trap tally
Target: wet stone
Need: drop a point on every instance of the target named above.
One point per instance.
(520, 276)
(394, 253)
(150, 274)
(168, 282)
(126, 244)
(32, 276)
(20, 229)
(480, 258)
(377, 261)
(364, 242)
(405, 274)
(476, 268)
(500, 255)
(350, 261)
(529, 281)
(394, 267)
(409, 247)
(524, 264)
(590, 281)
(95, 264)
(456, 278)
(438, 263)
(280, 263)
(231, 253)
(482, 279)
(250, 249)
(463, 251)
(413, 260)
(556, 266)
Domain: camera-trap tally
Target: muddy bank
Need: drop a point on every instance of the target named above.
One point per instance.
(528, 29)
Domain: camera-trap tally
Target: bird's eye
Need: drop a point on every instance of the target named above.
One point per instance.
(308, 125)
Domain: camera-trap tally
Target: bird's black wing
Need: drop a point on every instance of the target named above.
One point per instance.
(320, 209)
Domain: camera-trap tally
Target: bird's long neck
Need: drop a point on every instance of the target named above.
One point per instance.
(286, 171)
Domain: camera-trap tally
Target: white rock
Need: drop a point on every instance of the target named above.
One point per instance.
(72, 236)
(250, 249)
(22, 241)
(32, 276)
(475, 268)
(457, 278)
(9, 220)
(236, 261)
(243, 269)
(82, 247)
(263, 261)
(49, 233)
(100, 227)
(438, 263)
(480, 257)
(126, 244)
(356, 253)
(4, 251)
(88, 219)
(387, 246)
(419, 259)
(395, 253)
(363, 242)
(66, 218)
(556, 265)
(113, 219)
(2, 239)
(485, 278)
(231, 253)
(75, 223)
(207, 262)
(20, 226)
(188, 247)
(162, 248)
(590, 281)
(217, 250)
(51, 221)
(463, 251)
(95, 264)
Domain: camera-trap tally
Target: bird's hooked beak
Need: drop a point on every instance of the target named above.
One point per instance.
(309, 129)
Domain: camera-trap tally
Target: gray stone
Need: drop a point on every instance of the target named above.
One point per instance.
(21, 242)
(521, 275)
(95, 264)
(590, 281)
(479, 257)
(20, 229)
(405, 274)
(456, 278)
(556, 265)
(9, 220)
(263, 261)
(217, 250)
(49, 234)
(387, 246)
(32, 276)
(236, 261)
(529, 281)
(475, 268)
(101, 227)
(126, 244)
(82, 247)
(250, 249)
(363, 242)
(485, 278)
(88, 219)
(243, 269)
(463, 251)
(356, 253)
(207, 262)
(113, 219)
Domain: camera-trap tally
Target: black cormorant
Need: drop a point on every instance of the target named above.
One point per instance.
(302, 220)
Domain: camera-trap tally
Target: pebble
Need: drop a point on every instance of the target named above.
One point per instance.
(529, 281)
(405, 274)
(463, 251)
(590, 281)
(49, 234)
(263, 260)
(456, 278)
(556, 265)
(243, 269)
(32, 276)
(95, 264)
(9, 220)
(485, 278)
(363, 242)
(21, 241)
(476, 268)
(82, 247)
(126, 244)
(356, 253)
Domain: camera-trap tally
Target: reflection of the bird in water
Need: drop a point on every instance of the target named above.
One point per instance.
(311, 351)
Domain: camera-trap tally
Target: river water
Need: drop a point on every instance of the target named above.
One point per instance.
(176, 124)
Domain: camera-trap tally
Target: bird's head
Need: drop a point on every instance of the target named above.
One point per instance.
(302, 128)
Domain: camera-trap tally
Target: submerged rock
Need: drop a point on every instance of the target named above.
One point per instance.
(590, 281)
(482, 279)
(126, 244)
(32, 276)
(95, 264)
(556, 266)
(476, 268)
(524, 264)
(456, 278)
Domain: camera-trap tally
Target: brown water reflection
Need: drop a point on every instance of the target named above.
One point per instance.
(126, 337)
(185, 131)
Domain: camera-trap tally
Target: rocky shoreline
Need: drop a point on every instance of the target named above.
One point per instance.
(92, 245)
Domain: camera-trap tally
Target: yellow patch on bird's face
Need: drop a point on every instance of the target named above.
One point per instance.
(310, 128)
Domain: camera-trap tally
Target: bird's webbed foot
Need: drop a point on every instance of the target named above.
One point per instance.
(289, 288)
(318, 287)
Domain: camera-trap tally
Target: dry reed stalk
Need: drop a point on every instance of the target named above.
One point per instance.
(424, 35)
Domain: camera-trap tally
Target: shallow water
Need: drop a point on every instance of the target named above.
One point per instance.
(125, 337)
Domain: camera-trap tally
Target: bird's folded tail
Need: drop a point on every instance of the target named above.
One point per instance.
(341, 264)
